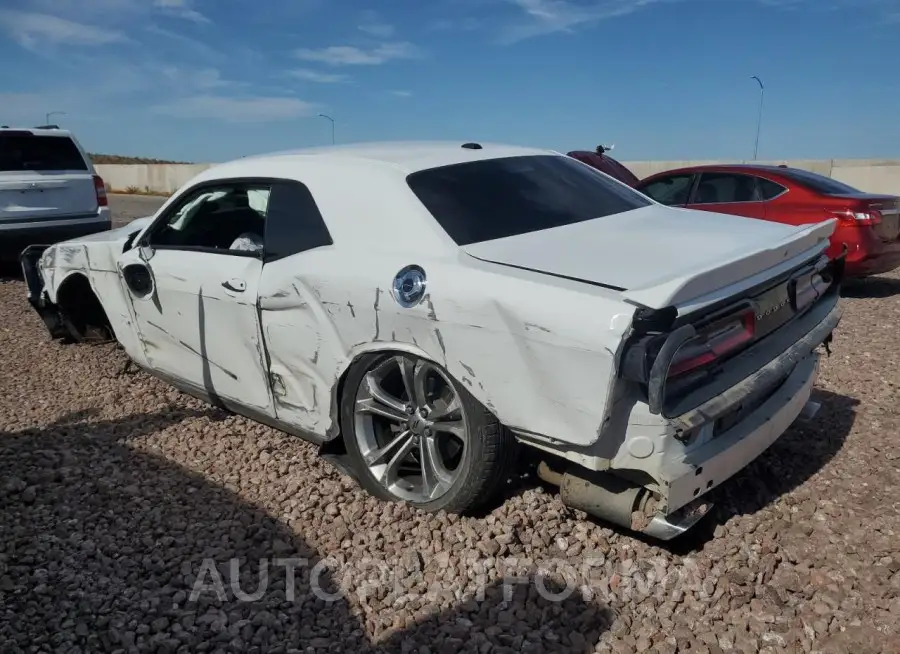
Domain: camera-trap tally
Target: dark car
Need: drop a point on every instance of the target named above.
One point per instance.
(598, 159)
(868, 223)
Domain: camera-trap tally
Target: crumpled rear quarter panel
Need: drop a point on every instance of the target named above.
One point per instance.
(539, 354)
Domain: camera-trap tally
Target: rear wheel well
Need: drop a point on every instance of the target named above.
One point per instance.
(81, 311)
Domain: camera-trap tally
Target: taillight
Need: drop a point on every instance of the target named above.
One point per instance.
(714, 343)
(867, 216)
(100, 189)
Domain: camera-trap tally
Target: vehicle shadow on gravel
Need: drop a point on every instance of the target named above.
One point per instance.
(803, 450)
(795, 457)
(103, 545)
(872, 288)
(10, 272)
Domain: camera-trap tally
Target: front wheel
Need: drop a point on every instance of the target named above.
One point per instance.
(416, 435)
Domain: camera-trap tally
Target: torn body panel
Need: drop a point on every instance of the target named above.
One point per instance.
(536, 353)
(194, 326)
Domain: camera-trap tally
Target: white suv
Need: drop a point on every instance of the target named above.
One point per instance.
(49, 191)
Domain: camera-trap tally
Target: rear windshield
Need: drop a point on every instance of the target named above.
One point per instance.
(818, 183)
(607, 165)
(27, 152)
(496, 198)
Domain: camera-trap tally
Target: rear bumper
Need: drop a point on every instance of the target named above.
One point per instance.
(15, 237)
(716, 461)
(866, 253)
(879, 262)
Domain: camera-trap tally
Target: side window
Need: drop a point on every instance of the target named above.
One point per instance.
(226, 218)
(293, 221)
(769, 189)
(716, 188)
(669, 190)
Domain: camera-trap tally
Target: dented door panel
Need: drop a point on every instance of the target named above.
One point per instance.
(197, 330)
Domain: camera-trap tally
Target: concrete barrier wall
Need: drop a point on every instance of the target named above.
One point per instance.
(871, 175)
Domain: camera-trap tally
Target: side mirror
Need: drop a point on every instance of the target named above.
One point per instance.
(145, 252)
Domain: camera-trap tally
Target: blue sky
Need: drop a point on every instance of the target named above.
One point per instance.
(207, 80)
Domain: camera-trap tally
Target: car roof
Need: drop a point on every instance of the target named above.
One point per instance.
(408, 156)
(361, 189)
(766, 168)
(37, 131)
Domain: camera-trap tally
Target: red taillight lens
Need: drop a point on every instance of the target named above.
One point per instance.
(100, 188)
(715, 343)
(866, 216)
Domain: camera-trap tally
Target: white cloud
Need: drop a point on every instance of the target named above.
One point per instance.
(402, 94)
(180, 9)
(237, 109)
(540, 17)
(32, 30)
(348, 55)
(381, 30)
(549, 16)
(194, 78)
(318, 77)
(373, 25)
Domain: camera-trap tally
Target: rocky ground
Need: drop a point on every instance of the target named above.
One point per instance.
(123, 503)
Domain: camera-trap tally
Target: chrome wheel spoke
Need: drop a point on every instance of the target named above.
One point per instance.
(380, 402)
(441, 413)
(377, 455)
(420, 379)
(454, 427)
(435, 476)
(389, 475)
(407, 372)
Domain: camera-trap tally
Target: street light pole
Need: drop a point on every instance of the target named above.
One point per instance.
(762, 91)
(51, 113)
(332, 126)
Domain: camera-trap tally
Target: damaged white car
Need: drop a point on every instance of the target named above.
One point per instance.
(425, 310)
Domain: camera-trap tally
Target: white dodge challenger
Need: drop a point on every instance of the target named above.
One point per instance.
(424, 311)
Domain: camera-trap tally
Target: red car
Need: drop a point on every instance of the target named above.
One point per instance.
(604, 163)
(869, 224)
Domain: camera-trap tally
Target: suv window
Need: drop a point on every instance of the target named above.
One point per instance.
(24, 152)
(818, 183)
(229, 218)
(717, 188)
(496, 198)
(671, 190)
(293, 222)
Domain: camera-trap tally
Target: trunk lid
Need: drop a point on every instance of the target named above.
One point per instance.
(43, 176)
(660, 256)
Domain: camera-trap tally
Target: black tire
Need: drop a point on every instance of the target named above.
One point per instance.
(486, 461)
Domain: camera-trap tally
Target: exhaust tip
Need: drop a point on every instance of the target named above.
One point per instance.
(809, 410)
(664, 527)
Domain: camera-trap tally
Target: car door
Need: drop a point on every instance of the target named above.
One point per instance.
(725, 192)
(303, 342)
(194, 294)
(672, 190)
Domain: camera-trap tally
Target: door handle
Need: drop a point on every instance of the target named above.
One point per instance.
(236, 285)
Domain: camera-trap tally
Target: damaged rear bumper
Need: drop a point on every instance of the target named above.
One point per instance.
(716, 440)
(718, 458)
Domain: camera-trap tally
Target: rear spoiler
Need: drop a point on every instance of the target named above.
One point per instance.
(663, 293)
(658, 377)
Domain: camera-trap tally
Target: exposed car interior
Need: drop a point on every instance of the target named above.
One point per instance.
(219, 219)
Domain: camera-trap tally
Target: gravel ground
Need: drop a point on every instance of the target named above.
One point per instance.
(118, 495)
